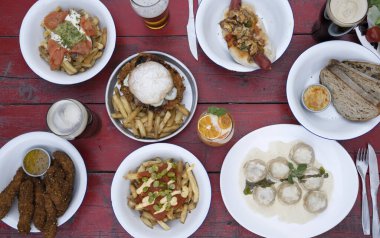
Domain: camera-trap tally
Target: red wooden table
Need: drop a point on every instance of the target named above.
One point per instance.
(255, 100)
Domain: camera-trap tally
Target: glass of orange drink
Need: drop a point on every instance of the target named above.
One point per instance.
(215, 126)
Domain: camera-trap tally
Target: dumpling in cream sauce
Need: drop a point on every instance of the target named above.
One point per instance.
(255, 170)
(315, 201)
(278, 168)
(302, 153)
(289, 193)
(264, 196)
(312, 183)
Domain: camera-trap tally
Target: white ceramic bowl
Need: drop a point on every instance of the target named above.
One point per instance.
(130, 219)
(31, 35)
(305, 71)
(11, 157)
(277, 17)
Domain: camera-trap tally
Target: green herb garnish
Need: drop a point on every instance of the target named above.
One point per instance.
(145, 189)
(156, 184)
(217, 111)
(171, 174)
(247, 190)
(296, 172)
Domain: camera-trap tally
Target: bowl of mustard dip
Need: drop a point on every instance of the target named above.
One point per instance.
(36, 162)
(316, 98)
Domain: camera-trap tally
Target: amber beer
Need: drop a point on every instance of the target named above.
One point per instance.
(154, 12)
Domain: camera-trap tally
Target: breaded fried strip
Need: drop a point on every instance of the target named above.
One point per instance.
(62, 160)
(9, 193)
(50, 228)
(57, 187)
(39, 216)
(25, 206)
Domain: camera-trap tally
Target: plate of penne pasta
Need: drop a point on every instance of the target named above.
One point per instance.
(67, 41)
(151, 96)
(161, 190)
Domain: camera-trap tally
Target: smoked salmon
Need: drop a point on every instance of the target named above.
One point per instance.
(87, 26)
(56, 54)
(52, 20)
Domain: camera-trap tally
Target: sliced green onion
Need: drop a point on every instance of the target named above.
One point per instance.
(156, 183)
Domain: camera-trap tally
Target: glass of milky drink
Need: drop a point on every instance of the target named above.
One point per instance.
(339, 17)
(345, 15)
(68, 118)
(215, 126)
(154, 12)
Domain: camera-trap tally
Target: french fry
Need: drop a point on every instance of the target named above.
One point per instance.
(148, 216)
(117, 115)
(146, 222)
(69, 68)
(119, 105)
(150, 121)
(141, 128)
(179, 174)
(133, 191)
(163, 225)
(184, 214)
(164, 121)
(172, 117)
(193, 182)
(178, 117)
(131, 204)
(131, 176)
(157, 121)
(192, 206)
(133, 114)
(126, 105)
(170, 129)
(183, 109)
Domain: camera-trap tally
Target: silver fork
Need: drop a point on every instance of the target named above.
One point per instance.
(362, 167)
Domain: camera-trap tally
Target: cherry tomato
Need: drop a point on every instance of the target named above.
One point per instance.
(373, 34)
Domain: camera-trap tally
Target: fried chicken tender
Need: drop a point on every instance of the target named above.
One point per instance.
(25, 206)
(39, 216)
(50, 228)
(59, 181)
(9, 193)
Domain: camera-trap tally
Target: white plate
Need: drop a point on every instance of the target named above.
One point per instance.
(31, 35)
(305, 71)
(11, 155)
(130, 219)
(190, 96)
(277, 17)
(329, 153)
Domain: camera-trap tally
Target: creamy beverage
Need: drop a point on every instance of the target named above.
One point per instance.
(68, 118)
(154, 12)
(347, 13)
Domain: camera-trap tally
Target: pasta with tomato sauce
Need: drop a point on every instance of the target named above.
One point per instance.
(73, 40)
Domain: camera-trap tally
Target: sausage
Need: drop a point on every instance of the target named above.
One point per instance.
(262, 61)
(235, 4)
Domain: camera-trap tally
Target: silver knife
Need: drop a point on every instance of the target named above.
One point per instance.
(191, 37)
(374, 182)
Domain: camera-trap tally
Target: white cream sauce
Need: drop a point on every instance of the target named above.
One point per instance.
(288, 213)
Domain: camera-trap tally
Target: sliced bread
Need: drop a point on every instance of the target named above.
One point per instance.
(370, 69)
(346, 101)
(353, 83)
(367, 83)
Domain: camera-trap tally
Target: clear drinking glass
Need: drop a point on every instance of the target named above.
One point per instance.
(154, 12)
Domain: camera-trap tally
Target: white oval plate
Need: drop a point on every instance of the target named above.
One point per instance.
(12, 154)
(305, 71)
(190, 96)
(277, 17)
(329, 153)
(31, 35)
(130, 219)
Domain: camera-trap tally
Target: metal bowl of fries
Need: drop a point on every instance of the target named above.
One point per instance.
(191, 182)
(142, 123)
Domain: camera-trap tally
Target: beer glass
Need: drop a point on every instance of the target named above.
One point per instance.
(154, 12)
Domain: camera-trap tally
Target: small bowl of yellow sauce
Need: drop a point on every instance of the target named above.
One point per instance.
(36, 162)
(316, 98)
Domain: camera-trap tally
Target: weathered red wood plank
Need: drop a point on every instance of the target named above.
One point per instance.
(106, 150)
(129, 24)
(95, 217)
(20, 84)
